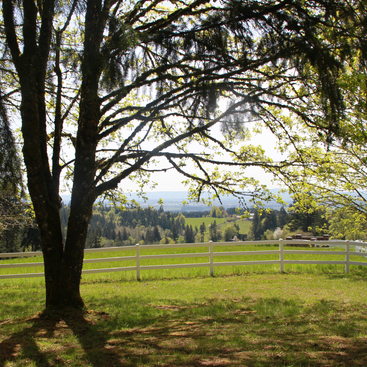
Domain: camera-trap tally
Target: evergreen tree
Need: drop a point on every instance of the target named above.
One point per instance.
(202, 232)
(189, 234)
(156, 234)
(282, 217)
(256, 230)
(231, 232)
(214, 233)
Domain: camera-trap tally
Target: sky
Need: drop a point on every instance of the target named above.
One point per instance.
(172, 180)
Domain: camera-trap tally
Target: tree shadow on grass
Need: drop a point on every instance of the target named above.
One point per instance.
(24, 342)
(25, 345)
(268, 332)
(264, 332)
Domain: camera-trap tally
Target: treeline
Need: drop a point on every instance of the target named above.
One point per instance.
(18, 230)
(274, 224)
(20, 237)
(111, 226)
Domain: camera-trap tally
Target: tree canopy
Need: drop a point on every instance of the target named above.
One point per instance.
(11, 186)
(332, 173)
(106, 89)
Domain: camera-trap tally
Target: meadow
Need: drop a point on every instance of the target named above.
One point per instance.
(312, 315)
(222, 223)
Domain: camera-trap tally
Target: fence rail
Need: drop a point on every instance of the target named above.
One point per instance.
(351, 248)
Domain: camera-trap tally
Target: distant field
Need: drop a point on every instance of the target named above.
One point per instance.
(244, 225)
(195, 222)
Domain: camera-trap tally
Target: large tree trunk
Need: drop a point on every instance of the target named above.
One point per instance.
(83, 192)
(62, 263)
(44, 198)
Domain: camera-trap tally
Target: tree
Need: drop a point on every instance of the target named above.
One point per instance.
(330, 171)
(127, 84)
(14, 217)
(31, 239)
(189, 234)
(263, 220)
(9, 169)
(306, 215)
(282, 218)
(156, 234)
(256, 230)
(202, 230)
(217, 212)
(215, 234)
(231, 232)
(346, 223)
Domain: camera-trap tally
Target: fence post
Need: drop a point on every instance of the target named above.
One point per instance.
(211, 260)
(347, 257)
(281, 256)
(137, 260)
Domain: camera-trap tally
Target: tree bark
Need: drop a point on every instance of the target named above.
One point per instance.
(83, 192)
(62, 264)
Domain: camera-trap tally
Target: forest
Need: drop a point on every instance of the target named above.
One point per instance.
(113, 226)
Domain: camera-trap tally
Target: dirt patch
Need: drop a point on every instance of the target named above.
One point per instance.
(215, 362)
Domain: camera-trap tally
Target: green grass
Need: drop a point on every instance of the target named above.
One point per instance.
(248, 320)
(245, 225)
(222, 223)
(195, 222)
(325, 254)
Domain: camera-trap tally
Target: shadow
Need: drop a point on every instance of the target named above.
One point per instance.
(24, 341)
(92, 341)
(355, 276)
(268, 332)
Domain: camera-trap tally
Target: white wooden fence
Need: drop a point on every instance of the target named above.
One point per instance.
(347, 249)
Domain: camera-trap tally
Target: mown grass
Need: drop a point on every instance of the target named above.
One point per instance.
(248, 320)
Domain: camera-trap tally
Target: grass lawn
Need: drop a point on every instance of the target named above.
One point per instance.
(260, 319)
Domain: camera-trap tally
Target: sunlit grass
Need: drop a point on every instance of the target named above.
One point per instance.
(325, 254)
(223, 223)
(248, 320)
(196, 222)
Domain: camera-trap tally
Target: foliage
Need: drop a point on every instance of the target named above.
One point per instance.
(217, 212)
(347, 223)
(333, 171)
(118, 227)
(11, 176)
(16, 220)
(215, 234)
(231, 232)
(263, 221)
(299, 217)
(306, 216)
(111, 91)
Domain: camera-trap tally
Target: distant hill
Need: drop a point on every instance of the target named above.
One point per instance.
(173, 201)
